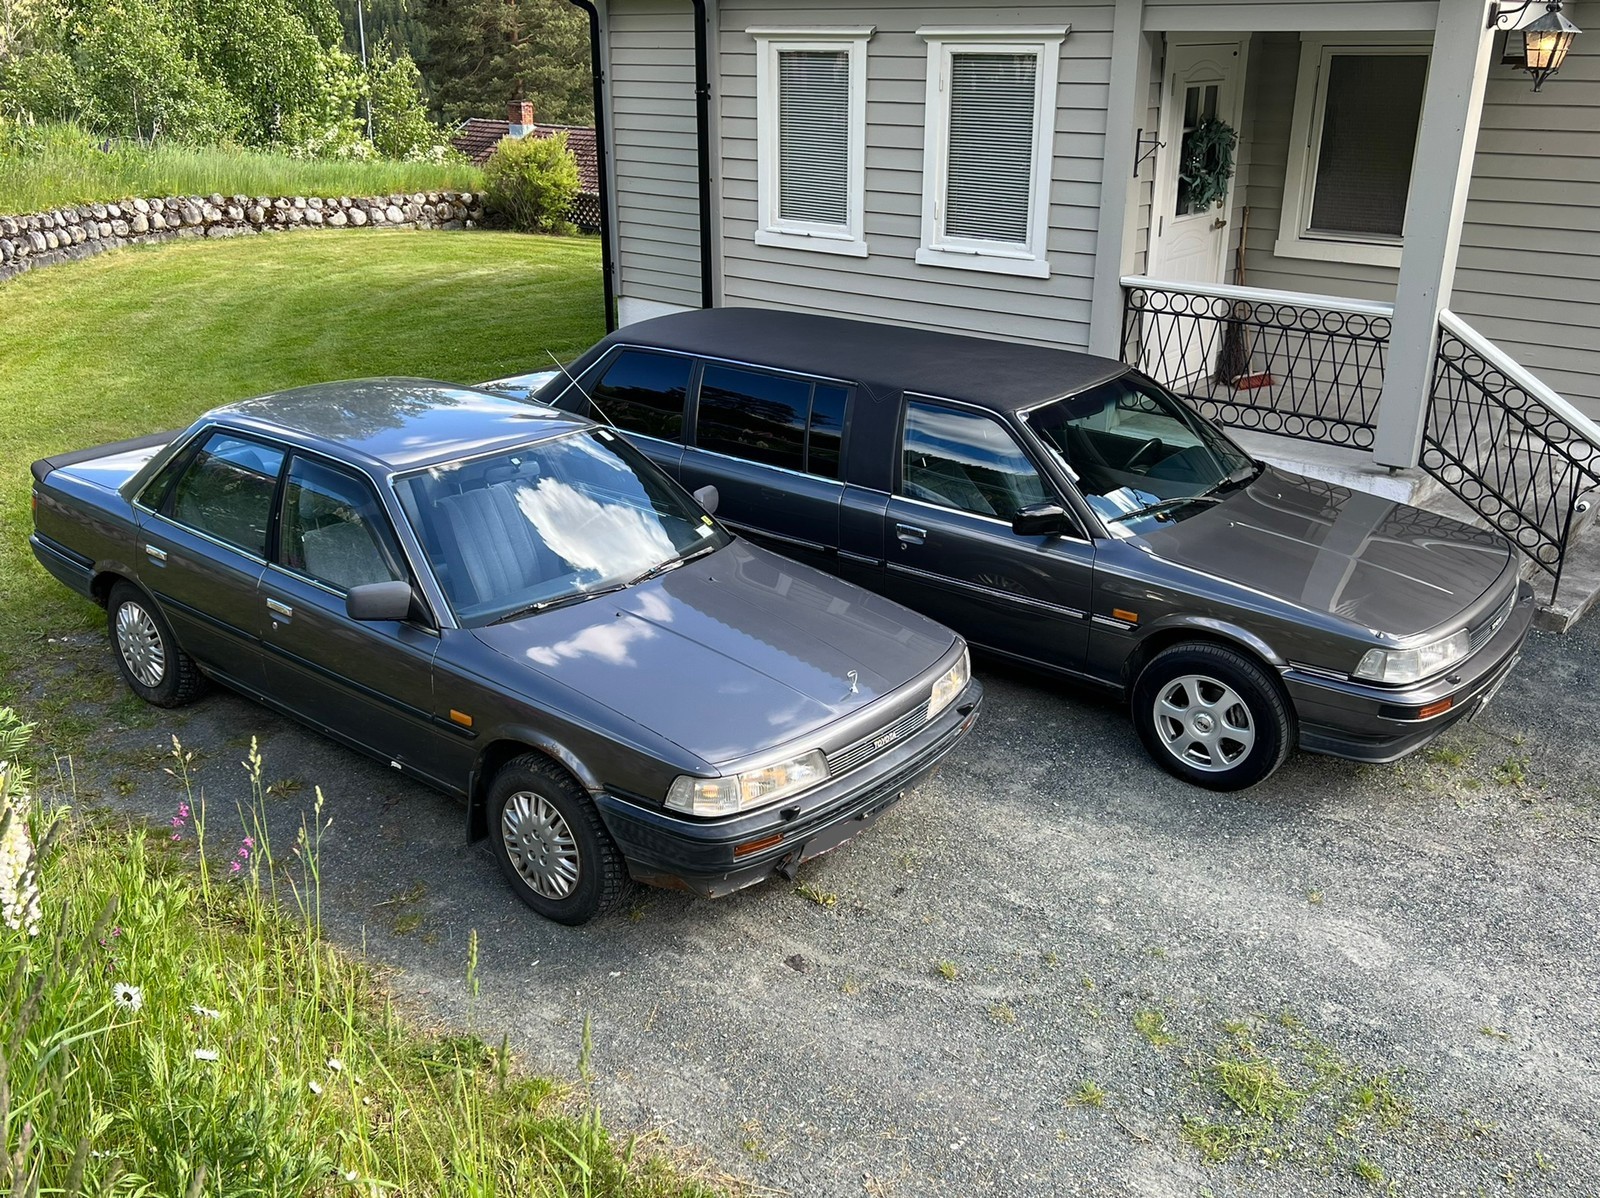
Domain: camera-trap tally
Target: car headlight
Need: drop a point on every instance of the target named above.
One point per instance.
(951, 685)
(1413, 665)
(753, 788)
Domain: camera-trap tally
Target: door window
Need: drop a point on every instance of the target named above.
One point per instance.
(644, 393)
(760, 417)
(226, 491)
(333, 530)
(966, 461)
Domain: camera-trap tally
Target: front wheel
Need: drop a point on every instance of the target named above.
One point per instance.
(550, 842)
(1212, 716)
(147, 654)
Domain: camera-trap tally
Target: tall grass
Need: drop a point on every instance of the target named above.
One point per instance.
(179, 1027)
(46, 166)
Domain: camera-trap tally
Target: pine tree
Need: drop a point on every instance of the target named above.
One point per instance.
(483, 53)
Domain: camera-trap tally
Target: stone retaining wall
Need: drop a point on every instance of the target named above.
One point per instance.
(66, 234)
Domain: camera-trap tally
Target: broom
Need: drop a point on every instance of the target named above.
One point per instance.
(1233, 360)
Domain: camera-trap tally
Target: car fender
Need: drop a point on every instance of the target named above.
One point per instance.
(511, 741)
(1204, 627)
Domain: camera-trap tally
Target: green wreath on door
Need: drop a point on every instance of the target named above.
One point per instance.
(1206, 163)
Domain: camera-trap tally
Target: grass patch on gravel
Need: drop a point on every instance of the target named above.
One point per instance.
(148, 339)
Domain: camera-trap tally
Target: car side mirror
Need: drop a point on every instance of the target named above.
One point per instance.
(707, 498)
(380, 601)
(1040, 520)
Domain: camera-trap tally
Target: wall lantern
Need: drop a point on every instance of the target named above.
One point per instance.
(1544, 40)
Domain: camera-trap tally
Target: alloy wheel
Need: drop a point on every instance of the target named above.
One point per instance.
(1204, 723)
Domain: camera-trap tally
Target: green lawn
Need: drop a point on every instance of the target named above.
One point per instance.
(53, 165)
(147, 339)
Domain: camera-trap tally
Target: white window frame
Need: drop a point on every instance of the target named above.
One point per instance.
(1295, 238)
(1028, 258)
(771, 229)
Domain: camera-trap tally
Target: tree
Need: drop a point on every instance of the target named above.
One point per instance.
(400, 124)
(139, 81)
(484, 53)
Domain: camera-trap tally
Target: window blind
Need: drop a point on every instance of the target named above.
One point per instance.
(989, 173)
(1369, 135)
(814, 136)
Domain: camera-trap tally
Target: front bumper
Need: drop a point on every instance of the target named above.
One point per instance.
(1380, 724)
(663, 848)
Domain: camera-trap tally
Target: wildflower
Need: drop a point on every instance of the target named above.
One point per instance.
(180, 821)
(19, 869)
(126, 997)
(233, 867)
(351, 1175)
(205, 1012)
(335, 1065)
(315, 1088)
(205, 1054)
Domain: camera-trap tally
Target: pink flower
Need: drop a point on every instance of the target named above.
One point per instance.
(233, 867)
(248, 842)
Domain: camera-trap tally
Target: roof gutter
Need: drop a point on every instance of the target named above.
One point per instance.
(702, 129)
(602, 165)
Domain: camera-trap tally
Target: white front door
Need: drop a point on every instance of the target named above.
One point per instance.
(1190, 236)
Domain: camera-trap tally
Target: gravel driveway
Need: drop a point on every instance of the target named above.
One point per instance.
(1051, 970)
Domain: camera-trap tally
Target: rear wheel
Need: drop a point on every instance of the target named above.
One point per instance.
(147, 654)
(1212, 716)
(550, 842)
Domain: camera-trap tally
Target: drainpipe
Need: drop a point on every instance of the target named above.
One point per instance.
(702, 129)
(601, 164)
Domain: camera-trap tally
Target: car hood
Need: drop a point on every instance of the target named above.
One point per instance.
(731, 654)
(1385, 566)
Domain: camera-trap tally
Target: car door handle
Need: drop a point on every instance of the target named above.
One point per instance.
(910, 534)
(282, 610)
(157, 556)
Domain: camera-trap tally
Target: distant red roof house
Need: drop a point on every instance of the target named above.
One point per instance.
(478, 136)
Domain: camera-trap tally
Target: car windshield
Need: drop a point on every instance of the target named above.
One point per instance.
(1137, 454)
(550, 523)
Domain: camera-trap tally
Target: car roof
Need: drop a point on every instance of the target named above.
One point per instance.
(886, 359)
(397, 423)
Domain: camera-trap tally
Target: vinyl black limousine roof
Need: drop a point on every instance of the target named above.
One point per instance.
(886, 359)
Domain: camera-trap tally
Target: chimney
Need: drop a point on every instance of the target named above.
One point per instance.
(519, 114)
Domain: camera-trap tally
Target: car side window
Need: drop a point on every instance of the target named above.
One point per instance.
(644, 392)
(775, 419)
(966, 461)
(226, 491)
(333, 530)
(756, 416)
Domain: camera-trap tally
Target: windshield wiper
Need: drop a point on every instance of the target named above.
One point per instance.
(533, 609)
(1247, 473)
(672, 563)
(1164, 505)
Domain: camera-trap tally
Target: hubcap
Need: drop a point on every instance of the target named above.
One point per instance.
(1204, 723)
(540, 844)
(139, 642)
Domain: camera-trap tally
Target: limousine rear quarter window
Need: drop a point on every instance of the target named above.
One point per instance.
(644, 393)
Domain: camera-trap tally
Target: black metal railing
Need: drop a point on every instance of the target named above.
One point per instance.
(1508, 447)
(1302, 366)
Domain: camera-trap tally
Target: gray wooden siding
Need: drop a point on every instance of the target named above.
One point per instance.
(1529, 273)
(652, 94)
(889, 285)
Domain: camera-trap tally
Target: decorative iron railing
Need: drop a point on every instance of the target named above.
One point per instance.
(1509, 447)
(1283, 362)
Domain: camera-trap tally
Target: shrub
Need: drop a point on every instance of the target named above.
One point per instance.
(400, 125)
(531, 182)
(42, 86)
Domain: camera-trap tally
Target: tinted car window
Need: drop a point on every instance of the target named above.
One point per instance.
(966, 461)
(226, 491)
(827, 430)
(761, 417)
(644, 393)
(333, 529)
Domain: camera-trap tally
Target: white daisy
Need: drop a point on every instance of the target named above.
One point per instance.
(335, 1065)
(205, 1054)
(128, 998)
(205, 1012)
(315, 1088)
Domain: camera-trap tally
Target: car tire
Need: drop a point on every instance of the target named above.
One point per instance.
(550, 842)
(147, 654)
(1212, 716)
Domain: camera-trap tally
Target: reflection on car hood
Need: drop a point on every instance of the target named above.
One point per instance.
(730, 654)
(1383, 565)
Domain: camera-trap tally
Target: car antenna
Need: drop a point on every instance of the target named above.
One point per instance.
(581, 391)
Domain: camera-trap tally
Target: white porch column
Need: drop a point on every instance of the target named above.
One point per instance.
(1119, 198)
(1447, 139)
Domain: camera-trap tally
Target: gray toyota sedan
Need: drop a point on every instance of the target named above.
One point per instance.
(517, 607)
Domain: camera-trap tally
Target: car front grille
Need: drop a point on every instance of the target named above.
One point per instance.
(864, 750)
(1479, 636)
